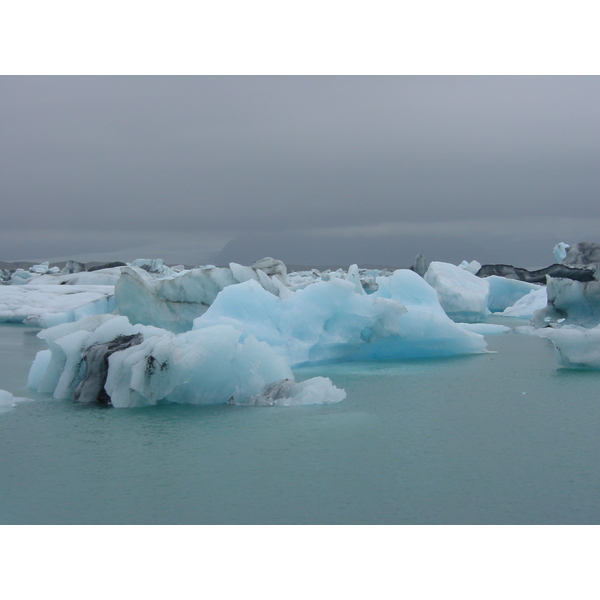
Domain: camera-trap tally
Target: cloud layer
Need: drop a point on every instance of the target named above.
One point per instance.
(292, 165)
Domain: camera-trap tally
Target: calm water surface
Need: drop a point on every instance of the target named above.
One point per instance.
(489, 439)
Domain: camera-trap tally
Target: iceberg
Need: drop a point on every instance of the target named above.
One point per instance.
(570, 303)
(484, 328)
(6, 399)
(420, 266)
(21, 277)
(473, 266)
(47, 305)
(174, 302)
(505, 292)
(527, 305)
(286, 392)
(106, 359)
(153, 265)
(463, 296)
(560, 251)
(108, 276)
(576, 347)
(581, 255)
(333, 321)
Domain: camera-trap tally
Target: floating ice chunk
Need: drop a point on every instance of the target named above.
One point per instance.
(506, 292)
(330, 321)
(583, 254)
(272, 267)
(484, 328)
(41, 268)
(171, 303)
(560, 252)
(325, 321)
(38, 369)
(174, 302)
(107, 359)
(527, 305)
(471, 267)
(570, 302)
(6, 399)
(462, 295)
(97, 277)
(286, 392)
(153, 265)
(47, 305)
(576, 347)
(426, 330)
(421, 265)
(21, 277)
(354, 277)
(241, 273)
(73, 266)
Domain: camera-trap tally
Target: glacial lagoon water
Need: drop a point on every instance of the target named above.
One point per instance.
(500, 438)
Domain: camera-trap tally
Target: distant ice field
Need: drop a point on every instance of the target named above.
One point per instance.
(499, 438)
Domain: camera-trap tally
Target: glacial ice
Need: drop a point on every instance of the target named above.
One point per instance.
(571, 303)
(98, 277)
(6, 399)
(525, 307)
(105, 358)
(484, 328)
(505, 292)
(174, 302)
(153, 265)
(466, 297)
(462, 295)
(332, 320)
(472, 267)
(48, 305)
(21, 277)
(286, 392)
(560, 251)
(576, 347)
(581, 255)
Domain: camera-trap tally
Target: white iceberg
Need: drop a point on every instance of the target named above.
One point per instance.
(472, 267)
(463, 296)
(560, 251)
(286, 392)
(527, 305)
(7, 400)
(99, 277)
(47, 305)
(21, 277)
(484, 328)
(105, 358)
(576, 347)
(174, 302)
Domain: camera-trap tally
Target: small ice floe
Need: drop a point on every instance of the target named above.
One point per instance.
(8, 401)
(286, 392)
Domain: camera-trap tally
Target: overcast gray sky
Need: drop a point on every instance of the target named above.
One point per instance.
(312, 170)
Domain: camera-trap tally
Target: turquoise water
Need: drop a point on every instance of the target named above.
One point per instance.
(504, 438)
